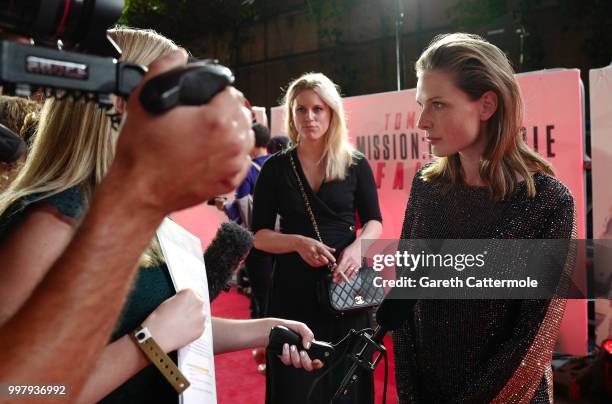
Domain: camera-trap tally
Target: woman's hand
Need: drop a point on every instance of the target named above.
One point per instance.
(177, 321)
(291, 356)
(220, 202)
(349, 262)
(314, 252)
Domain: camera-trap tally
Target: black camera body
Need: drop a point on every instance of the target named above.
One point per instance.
(74, 57)
(80, 25)
(25, 69)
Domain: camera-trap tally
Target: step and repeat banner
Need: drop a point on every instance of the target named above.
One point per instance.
(600, 85)
(384, 127)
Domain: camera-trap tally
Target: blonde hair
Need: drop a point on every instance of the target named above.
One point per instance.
(339, 154)
(477, 67)
(75, 141)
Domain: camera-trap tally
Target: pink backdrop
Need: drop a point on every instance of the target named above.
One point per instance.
(383, 126)
(204, 220)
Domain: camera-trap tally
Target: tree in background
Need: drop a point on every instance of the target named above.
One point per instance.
(199, 24)
(193, 21)
(590, 19)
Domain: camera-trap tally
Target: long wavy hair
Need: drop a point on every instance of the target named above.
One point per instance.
(338, 154)
(75, 142)
(477, 67)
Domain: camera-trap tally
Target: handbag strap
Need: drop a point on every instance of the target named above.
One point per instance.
(308, 207)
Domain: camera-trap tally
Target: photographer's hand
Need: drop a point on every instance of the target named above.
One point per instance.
(187, 154)
(163, 163)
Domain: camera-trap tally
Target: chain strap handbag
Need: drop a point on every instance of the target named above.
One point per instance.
(356, 294)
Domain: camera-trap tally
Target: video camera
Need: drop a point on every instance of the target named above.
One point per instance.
(74, 57)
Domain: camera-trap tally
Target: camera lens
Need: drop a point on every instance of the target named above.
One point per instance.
(35, 18)
(80, 24)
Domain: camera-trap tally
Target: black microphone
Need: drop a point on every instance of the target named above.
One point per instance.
(390, 315)
(230, 246)
(11, 145)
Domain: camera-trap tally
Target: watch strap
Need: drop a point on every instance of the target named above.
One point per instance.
(143, 339)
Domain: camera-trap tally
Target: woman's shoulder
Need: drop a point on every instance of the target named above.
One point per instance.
(419, 178)
(359, 159)
(552, 190)
(423, 169)
(69, 202)
(359, 167)
(280, 157)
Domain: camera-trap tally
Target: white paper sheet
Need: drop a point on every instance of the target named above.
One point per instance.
(183, 254)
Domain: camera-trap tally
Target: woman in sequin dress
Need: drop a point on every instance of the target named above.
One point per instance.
(486, 183)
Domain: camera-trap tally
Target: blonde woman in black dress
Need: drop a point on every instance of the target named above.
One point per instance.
(340, 186)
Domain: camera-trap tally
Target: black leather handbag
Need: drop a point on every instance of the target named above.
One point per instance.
(356, 294)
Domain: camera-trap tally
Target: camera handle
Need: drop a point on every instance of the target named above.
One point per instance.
(193, 84)
(25, 69)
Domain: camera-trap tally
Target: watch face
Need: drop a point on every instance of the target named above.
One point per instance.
(142, 334)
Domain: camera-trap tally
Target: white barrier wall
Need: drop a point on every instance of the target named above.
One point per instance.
(601, 152)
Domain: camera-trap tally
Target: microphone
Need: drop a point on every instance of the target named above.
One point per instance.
(390, 315)
(230, 246)
(11, 145)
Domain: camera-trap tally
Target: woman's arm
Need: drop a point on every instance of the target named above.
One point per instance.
(123, 359)
(233, 335)
(276, 243)
(368, 210)
(175, 323)
(371, 231)
(28, 252)
(350, 259)
(519, 363)
(266, 205)
(120, 360)
(314, 252)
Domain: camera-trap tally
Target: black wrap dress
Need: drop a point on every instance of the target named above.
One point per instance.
(293, 294)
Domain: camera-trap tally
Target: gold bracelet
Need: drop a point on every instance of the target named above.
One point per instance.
(143, 339)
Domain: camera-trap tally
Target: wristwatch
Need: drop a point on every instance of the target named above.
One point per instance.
(143, 339)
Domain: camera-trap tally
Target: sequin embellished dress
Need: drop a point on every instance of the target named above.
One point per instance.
(479, 351)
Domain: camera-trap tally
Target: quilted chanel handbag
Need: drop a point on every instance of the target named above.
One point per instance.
(359, 293)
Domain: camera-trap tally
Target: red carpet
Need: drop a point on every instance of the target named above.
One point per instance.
(237, 379)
